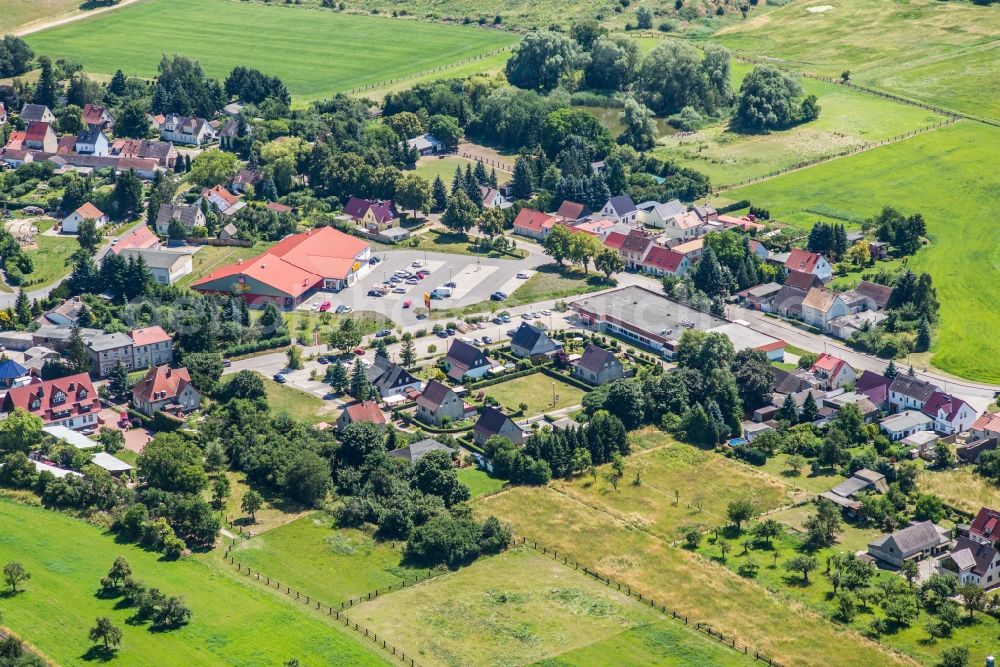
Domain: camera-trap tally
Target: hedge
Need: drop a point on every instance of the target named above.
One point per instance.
(164, 422)
(258, 346)
(503, 378)
(568, 379)
(735, 206)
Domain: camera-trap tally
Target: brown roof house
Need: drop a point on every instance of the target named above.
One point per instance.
(493, 422)
(598, 366)
(165, 388)
(438, 404)
(365, 412)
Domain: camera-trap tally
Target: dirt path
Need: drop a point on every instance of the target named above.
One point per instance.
(38, 26)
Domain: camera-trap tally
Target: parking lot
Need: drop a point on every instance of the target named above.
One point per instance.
(475, 278)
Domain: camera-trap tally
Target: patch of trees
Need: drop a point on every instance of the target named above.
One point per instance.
(150, 604)
(828, 239)
(770, 99)
(675, 76)
(181, 87)
(542, 59)
(912, 308)
(249, 85)
(15, 56)
(904, 233)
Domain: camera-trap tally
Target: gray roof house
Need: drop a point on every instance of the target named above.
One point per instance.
(528, 341)
(598, 366)
(390, 379)
(621, 209)
(189, 216)
(973, 563)
(918, 540)
(465, 361)
(36, 113)
(419, 449)
(439, 402)
(906, 393)
(493, 422)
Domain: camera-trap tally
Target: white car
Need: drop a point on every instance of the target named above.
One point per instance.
(527, 316)
(522, 275)
(417, 264)
(401, 273)
(399, 290)
(546, 313)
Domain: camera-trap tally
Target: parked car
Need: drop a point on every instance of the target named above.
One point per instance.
(522, 275)
(382, 333)
(451, 284)
(442, 334)
(497, 320)
(226, 363)
(323, 360)
(511, 332)
(498, 296)
(450, 331)
(487, 340)
(280, 379)
(527, 316)
(416, 264)
(407, 303)
(343, 309)
(412, 281)
(325, 306)
(399, 290)
(360, 351)
(505, 318)
(401, 273)
(374, 292)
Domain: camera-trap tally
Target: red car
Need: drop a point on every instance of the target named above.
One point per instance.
(407, 303)
(360, 351)
(325, 306)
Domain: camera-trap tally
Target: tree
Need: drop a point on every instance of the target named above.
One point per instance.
(106, 632)
(435, 474)
(929, 508)
(408, 353)
(724, 547)
(954, 656)
(461, 214)
(789, 410)
(802, 563)
(710, 276)
(692, 538)
(557, 243)
(77, 353)
(522, 183)
(822, 527)
(754, 377)
(767, 530)
(583, 248)
(542, 59)
(608, 262)
(767, 100)
(890, 371)
(439, 193)
(640, 127)
(47, 89)
(900, 608)
(973, 597)
(360, 387)
(133, 122)
(172, 463)
(616, 471)
(586, 33)
(20, 432)
(251, 504)
(70, 119)
(221, 489)
(15, 56)
(944, 455)
(172, 613)
(15, 574)
(128, 194)
(674, 76)
(794, 465)
(414, 192)
(445, 129)
(336, 375)
(205, 369)
(809, 109)
(347, 336)
(214, 167)
(118, 379)
(614, 63)
(809, 410)
(740, 510)
(923, 340)
(307, 478)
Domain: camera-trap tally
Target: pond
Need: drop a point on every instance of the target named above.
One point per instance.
(609, 117)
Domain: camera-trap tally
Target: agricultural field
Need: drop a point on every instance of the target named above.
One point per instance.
(67, 557)
(684, 581)
(335, 48)
(331, 564)
(516, 608)
(938, 174)
(672, 492)
(20, 14)
(536, 390)
(487, 65)
(952, 64)
(848, 119)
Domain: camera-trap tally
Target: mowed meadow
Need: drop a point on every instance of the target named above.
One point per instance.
(316, 52)
(942, 174)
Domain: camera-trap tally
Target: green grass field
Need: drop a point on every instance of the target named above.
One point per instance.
(333, 565)
(19, 13)
(315, 52)
(479, 482)
(299, 404)
(50, 259)
(848, 119)
(951, 64)
(537, 391)
(233, 622)
(549, 282)
(208, 258)
(431, 167)
(939, 174)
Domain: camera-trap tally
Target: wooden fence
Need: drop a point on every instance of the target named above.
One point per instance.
(417, 75)
(502, 166)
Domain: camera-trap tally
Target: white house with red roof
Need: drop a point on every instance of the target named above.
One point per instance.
(832, 372)
(141, 237)
(987, 425)
(950, 414)
(41, 137)
(71, 223)
(151, 346)
(68, 401)
(661, 261)
(97, 117)
(165, 388)
(534, 224)
(809, 262)
(320, 258)
(364, 412)
(223, 201)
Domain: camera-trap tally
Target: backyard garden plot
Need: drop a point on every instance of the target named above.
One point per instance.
(315, 52)
(538, 391)
(940, 175)
(949, 64)
(848, 119)
(672, 486)
(67, 558)
(783, 629)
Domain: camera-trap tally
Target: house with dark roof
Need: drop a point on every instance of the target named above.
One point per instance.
(165, 388)
(571, 211)
(950, 414)
(189, 215)
(875, 387)
(621, 209)
(876, 297)
(438, 404)
(363, 412)
(390, 379)
(162, 153)
(529, 341)
(68, 401)
(420, 449)
(972, 562)
(598, 366)
(909, 393)
(375, 216)
(491, 423)
(36, 113)
(92, 141)
(706, 212)
(634, 248)
(786, 382)
(11, 372)
(848, 493)
(812, 263)
(915, 542)
(465, 362)
(656, 214)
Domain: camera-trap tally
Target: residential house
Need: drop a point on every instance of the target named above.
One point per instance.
(186, 130)
(491, 197)
(821, 305)
(189, 215)
(571, 211)
(57, 337)
(875, 387)
(107, 350)
(904, 424)
(70, 437)
(847, 325)
(972, 562)
(876, 296)
(167, 265)
(684, 227)
(598, 366)
(847, 494)
(165, 389)
(363, 412)
(425, 144)
(465, 362)
(492, 423)
(599, 228)
(706, 212)
(690, 249)
(921, 443)
(92, 142)
(97, 117)
(809, 262)
(390, 379)
(223, 201)
(662, 261)
(759, 249)
(534, 224)
(837, 400)
(16, 158)
(39, 136)
(655, 214)
(909, 393)
(950, 414)
(916, 541)
(68, 401)
(832, 372)
(140, 237)
(786, 382)
(162, 152)
(244, 178)
(634, 248)
(151, 346)
(986, 426)
(375, 216)
(71, 223)
(36, 113)
(529, 341)
(747, 223)
(67, 313)
(761, 297)
(420, 449)
(985, 528)
(621, 209)
(438, 404)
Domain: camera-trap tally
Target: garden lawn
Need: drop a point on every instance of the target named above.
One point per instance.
(777, 466)
(938, 174)
(536, 390)
(436, 240)
(952, 64)
(208, 258)
(514, 608)
(479, 481)
(300, 405)
(327, 563)
(430, 167)
(848, 119)
(50, 257)
(785, 630)
(679, 486)
(276, 510)
(549, 282)
(67, 558)
(315, 52)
